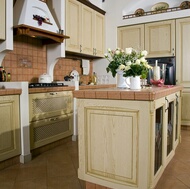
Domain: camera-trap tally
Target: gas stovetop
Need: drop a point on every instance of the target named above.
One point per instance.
(36, 85)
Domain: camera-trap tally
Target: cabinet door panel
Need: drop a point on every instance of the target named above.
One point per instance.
(185, 120)
(99, 35)
(183, 51)
(131, 36)
(73, 25)
(9, 127)
(87, 30)
(160, 38)
(2, 19)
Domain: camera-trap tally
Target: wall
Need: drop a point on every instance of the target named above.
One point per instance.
(28, 61)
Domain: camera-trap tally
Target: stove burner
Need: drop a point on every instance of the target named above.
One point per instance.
(36, 85)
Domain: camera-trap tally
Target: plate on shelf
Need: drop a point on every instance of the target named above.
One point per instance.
(139, 12)
(185, 5)
(160, 6)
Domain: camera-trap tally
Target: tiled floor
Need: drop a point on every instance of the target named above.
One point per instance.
(57, 169)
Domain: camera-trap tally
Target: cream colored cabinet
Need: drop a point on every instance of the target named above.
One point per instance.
(157, 38)
(73, 25)
(9, 127)
(131, 36)
(99, 35)
(160, 38)
(87, 30)
(127, 144)
(85, 27)
(2, 19)
(183, 64)
(185, 119)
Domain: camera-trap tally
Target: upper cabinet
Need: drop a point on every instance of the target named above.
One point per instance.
(73, 25)
(131, 36)
(2, 19)
(183, 51)
(157, 38)
(160, 38)
(85, 27)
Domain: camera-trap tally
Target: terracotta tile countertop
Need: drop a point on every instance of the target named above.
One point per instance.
(148, 94)
(4, 92)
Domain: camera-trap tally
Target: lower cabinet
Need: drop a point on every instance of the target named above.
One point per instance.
(185, 118)
(127, 144)
(9, 127)
(166, 131)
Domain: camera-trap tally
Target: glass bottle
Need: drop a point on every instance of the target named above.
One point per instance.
(4, 75)
(94, 78)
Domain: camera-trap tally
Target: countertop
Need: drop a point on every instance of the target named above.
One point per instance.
(148, 94)
(9, 91)
(14, 91)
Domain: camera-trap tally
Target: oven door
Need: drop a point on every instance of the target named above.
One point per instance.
(49, 130)
(47, 105)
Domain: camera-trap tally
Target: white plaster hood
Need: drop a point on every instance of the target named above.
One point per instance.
(33, 18)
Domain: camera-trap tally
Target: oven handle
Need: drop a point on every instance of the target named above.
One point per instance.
(52, 93)
(53, 119)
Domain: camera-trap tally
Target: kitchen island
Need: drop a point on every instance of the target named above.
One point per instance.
(126, 137)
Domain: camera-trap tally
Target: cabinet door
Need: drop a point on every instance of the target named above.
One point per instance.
(87, 30)
(2, 19)
(185, 119)
(73, 25)
(99, 35)
(131, 36)
(183, 51)
(9, 127)
(160, 38)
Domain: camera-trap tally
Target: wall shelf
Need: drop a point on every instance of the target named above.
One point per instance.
(154, 12)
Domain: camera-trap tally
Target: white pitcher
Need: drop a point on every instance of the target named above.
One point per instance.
(121, 81)
(135, 83)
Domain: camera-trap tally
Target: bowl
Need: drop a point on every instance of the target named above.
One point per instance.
(45, 78)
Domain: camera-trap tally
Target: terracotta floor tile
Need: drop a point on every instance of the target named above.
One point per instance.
(39, 183)
(71, 182)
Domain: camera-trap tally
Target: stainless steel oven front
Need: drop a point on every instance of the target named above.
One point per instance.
(51, 117)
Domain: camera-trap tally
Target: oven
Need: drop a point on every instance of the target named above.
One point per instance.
(50, 116)
(170, 62)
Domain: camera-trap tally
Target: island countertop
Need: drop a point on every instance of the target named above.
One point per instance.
(115, 93)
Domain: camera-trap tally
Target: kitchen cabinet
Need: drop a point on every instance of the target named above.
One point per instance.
(149, 131)
(131, 36)
(85, 27)
(183, 64)
(160, 38)
(2, 19)
(9, 127)
(157, 38)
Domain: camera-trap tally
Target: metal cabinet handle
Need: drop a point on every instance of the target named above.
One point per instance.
(167, 101)
(53, 119)
(52, 93)
(80, 48)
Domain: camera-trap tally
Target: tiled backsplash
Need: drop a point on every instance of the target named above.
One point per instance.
(28, 61)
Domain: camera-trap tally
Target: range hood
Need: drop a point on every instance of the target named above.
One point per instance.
(33, 18)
